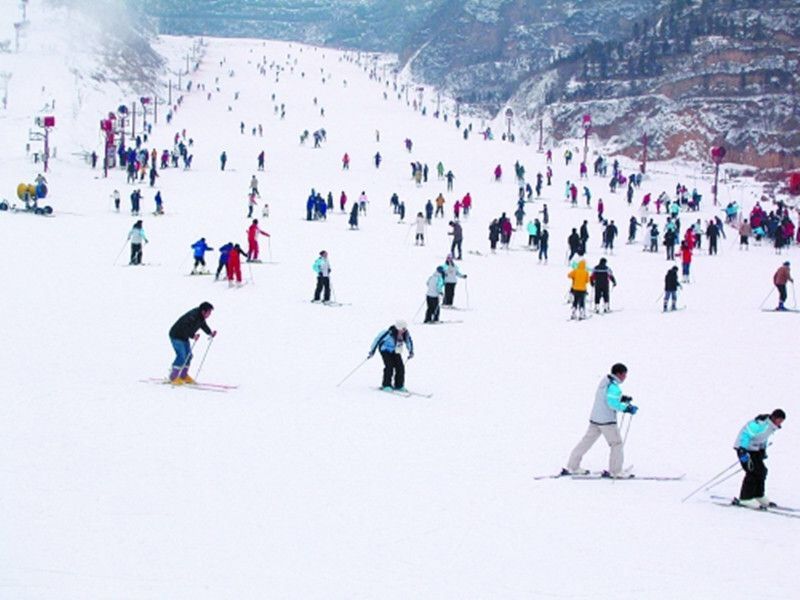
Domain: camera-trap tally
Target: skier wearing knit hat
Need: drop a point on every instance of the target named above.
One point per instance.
(390, 344)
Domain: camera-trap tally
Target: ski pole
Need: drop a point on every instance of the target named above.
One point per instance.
(660, 296)
(419, 309)
(708, 483)
(627, 429)
(269, 248)
(794, 298)
(203, 360)
(125, 243)
(353, 371)
(466, 291)
(767, 298)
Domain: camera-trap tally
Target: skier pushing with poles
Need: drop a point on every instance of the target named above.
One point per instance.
(390, 344)
(608, 401)
(751, 448)
(184, 328)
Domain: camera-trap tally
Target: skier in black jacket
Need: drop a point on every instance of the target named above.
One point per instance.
(600, 278)
(671, 286)
(184, 328)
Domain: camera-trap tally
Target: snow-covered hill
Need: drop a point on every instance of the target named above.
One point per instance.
(293, 487)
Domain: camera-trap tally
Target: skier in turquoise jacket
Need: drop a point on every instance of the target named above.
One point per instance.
(751, 448)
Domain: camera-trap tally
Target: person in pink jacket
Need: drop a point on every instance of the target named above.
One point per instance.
(252, 241)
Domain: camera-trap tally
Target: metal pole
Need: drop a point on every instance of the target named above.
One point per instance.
(203, 360)
(707, 484)
(361, 364)
(771, 290)
(46, 147)
(716, 182)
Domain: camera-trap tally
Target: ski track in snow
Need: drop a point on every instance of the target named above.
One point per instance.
(292, 487)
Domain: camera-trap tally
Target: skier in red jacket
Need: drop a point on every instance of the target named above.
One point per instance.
(252, 241)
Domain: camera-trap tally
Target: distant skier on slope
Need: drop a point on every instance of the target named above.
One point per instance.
(200, 248)
(137, 237)
(671, 286)
(435, 288)
(608, 401)
(600, 278)
(580, 280)
(252, 240)
(390, 343)
(322, 268)
(184, 328)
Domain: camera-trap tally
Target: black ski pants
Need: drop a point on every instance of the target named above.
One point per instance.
(393, 366)
(323, 284)
(755, 476)
(136, 254)
(449, 292)
(781, 292)
(601, 294)
(432, 312)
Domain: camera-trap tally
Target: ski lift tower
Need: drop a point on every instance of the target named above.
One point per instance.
(145, 100)
(717, 155)
(509, 119)
(109, 149)
(46, 124)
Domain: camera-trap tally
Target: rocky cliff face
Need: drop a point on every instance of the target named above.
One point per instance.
(688, 73)
(701, 74)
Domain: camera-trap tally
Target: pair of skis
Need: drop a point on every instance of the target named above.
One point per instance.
(626, 475)
(783, 511)
(202, 386)
(405, 393)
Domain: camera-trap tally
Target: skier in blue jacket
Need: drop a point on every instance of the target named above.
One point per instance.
(200, 248)
(390, 343)
(224, 252)
(751, 448)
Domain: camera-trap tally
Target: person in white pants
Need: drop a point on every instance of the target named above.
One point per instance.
(608, 401)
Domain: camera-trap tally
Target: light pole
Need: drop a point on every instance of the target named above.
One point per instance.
(587, 128)
(717, 154)
(644, 158)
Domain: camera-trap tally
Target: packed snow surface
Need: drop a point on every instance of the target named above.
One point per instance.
(293, 487)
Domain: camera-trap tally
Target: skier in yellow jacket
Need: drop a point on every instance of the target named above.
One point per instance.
(580, 280)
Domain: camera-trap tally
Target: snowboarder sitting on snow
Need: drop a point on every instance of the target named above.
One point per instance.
(390, 344)
(184, 328)
(200, 248)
